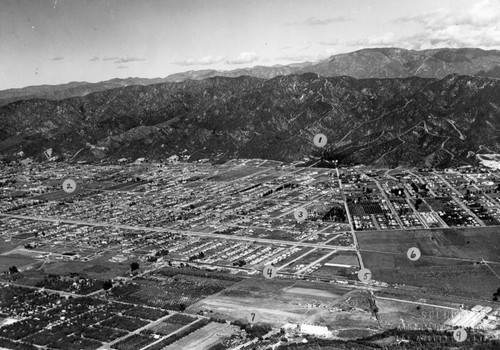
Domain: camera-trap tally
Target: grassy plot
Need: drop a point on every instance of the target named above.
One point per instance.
(393, 313)
(450, 261)
(277, 301)
(204, 337)
(17, 260)
(466, 244)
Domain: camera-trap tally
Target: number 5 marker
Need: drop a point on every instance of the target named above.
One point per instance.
(364, 275)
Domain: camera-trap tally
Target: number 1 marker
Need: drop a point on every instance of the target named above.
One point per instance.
(320, 140)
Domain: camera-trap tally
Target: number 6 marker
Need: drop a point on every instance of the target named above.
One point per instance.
(413, 254)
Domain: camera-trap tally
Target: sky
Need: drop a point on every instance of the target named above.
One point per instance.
(59, 41)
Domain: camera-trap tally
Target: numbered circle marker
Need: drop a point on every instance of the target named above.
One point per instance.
(69, 185)
(320, 140)
(269, 272)
(459, 335)
(364, 275)
(413, 254)
(300, 214)
(253, 317)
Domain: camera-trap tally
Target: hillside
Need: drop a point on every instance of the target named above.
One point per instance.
(374, 121)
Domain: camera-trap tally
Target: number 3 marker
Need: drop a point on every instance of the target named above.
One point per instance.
(300, 214)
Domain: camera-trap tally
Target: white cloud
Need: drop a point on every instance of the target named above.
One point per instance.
(313, 21)
(120, 60)
(203, 61)
(129, 59)
(383, 40)
(300, 57)
(244, 57)
(475, 25)
(333, 42)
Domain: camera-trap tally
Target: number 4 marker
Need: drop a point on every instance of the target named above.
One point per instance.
(269, 272)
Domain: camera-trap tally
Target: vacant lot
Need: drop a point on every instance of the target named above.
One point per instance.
(467, 243)
(204, 337)
(277, 301)
(449, 263)
(17, 260)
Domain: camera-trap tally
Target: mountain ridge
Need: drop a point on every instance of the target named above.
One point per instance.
(413, 121)
(360, 64)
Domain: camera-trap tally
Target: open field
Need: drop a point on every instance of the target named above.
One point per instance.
(204, 337)
(466, 243)
(277, 301)
(450, 261)
(17, 260)
(394, 314)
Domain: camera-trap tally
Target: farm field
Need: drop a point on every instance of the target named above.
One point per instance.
(20, 261)
(277, 301)
(394, 314)
(170, 289)
(450, 261)
(204, 337)
(343, 258)
(466, 243)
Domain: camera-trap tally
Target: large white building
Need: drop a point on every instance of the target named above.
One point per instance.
(320, 331)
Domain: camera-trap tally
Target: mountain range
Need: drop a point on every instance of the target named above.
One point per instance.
(380, 121)
(362, 64)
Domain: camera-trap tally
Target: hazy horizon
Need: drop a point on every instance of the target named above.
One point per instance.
(57, 42)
